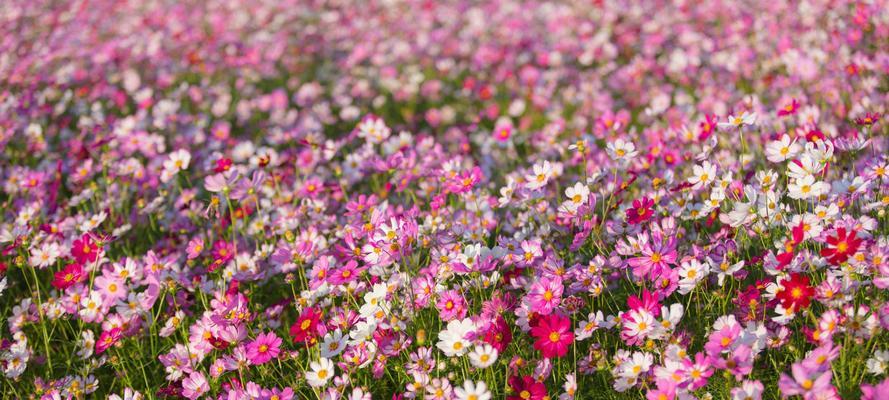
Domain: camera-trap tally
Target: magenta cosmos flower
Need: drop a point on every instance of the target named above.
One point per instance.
(68, 276)
(553, 334)
(265, 347)
(106, 339)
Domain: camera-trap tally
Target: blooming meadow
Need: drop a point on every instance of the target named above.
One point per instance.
(399, 199)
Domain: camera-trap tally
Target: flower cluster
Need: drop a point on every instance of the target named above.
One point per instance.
(444, 200)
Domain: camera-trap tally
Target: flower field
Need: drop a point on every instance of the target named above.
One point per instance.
(474, 200)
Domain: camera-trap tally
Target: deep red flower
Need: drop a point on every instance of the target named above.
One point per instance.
(218, 343)
(85, 250)
(553, 334)
(306, 326)
(498, 335)
(796, 293)
(815, 135)
(526, 388)
(640, 211)
(841, 246)
(868, 119)
(68, 276)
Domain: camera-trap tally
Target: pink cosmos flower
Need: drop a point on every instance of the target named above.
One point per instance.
(697, 371)
(656, 257)
(749, 390)
(722, 340)
(545, 294)
(553, 334)
(195, 385)
(805, 382)
(451, 305)
(345, 274)
(666, 390)
(262, 349)
(739, 362)
(465, 181)
(195, 247)
(875, 392)
(640, 211)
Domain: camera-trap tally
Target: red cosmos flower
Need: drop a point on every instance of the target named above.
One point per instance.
(789, 109)
(640, 211)
(306, 326)
(222, 165)
(85, 250)
(840, 247)
(553, 334)
(795, 293)
(526, 388)
(106, 339)
(68, 276)
(498, 335)
(218, 343)
(868, 119)
(815, 135)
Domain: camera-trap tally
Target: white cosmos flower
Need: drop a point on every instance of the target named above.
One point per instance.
(472, 391)
(737, 121)
(577, 194)
(178, 161)
(483, 356)
(621, 151)
(782, 149)
(540, 175)
(452, 341)
(806, 188)
(702, 175)
(690, 273)
(878, 364)
(586, 328)
(322, 371)
(374, 130)
(334, 343)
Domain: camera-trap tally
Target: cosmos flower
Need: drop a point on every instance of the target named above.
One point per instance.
(545, 295)
(841, 246)
(736, 122)
(795, 292)
(69, 276)
(305, 327)
(265, 347)
(85, 250)
(640, 212)
(107, 339)
(195, 385)
(553, 335)
(526, 388)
